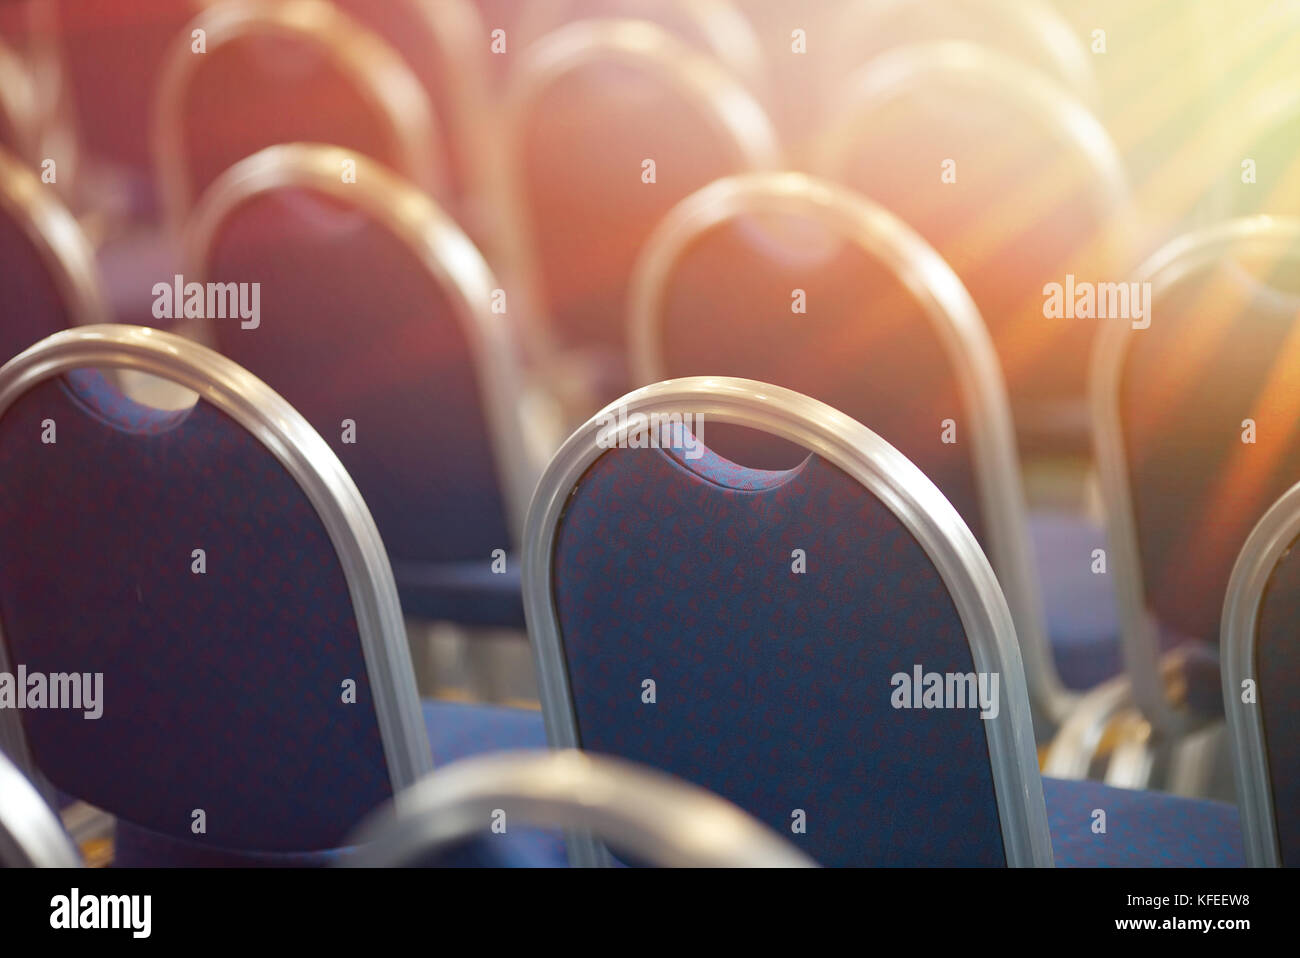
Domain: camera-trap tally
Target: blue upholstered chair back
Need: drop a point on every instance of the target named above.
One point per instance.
(1277, 664)
(771, 685)
(227, 687)
(356, 326)
(1222, 348)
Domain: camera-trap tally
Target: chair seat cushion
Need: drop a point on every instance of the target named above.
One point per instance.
(467, 593)
(1143, 829)
(455, 731)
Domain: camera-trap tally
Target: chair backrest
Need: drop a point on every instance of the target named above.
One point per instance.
(1016, 185)
(760, 633)
(19, 122)
(886, 333)
(196, 602)
(376, 309)
(715, 27)
(278, 73)
(47, 267)
(588, 109)
(446, 45)
(1028, 29)
(1261, 659)
(1197, 431)
(654, 817)
(31, 835)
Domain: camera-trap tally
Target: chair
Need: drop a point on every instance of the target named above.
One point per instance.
(889, 336)
(1258, 650)
(223, 579)
(714, 27)
(446, 46)
(377, 311)
(758, 633)
(47, 268)
(586, 107)
(31, 835)
(1197, 432)
(282, 72)
(1016, 185)
(658, 819)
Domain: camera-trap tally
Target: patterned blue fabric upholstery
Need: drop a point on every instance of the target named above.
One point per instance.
(1143, 829)
(1277, 664)
(32, 306)
(220, 691)
(354, 327)
(456, 731)
(773, 688)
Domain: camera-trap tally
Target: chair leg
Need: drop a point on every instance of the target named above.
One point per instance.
(1075, 747)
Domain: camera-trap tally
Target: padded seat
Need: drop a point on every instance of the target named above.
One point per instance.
(1143, 829)
(456, 731)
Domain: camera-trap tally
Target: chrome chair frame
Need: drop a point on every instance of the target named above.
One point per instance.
(887, 475)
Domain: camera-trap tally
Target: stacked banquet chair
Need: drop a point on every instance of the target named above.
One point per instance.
(789, 279)
(757, 632)
(48, 276)
(1042, 200)
(587, 108)
(222, 574)
(1259, 654)
(377, 324)
(1198, 431)
(445, 819)
(31, 835)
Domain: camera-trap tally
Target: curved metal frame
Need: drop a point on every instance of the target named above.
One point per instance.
(1037, 23)
(18, 102)
(898, 71)
(887, 475)
(1272, 536)
(956, 319)
(436, 241)
(652, 816)
(1138, 638)
(720, 98)
(31, 835)
(318, 472)
(726, 32)
(58, 238)
(380, 75)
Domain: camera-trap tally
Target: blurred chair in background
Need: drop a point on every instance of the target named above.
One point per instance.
(1016, 185)
(47, 268)
(277, 72)
(1198, 431)
(261, 694)
(787, 279)
(445, 819)
(377, 324)
(611, 123)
